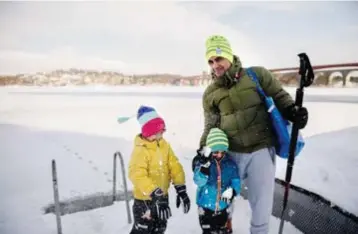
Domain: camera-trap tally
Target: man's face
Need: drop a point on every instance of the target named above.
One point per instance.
(219, 65)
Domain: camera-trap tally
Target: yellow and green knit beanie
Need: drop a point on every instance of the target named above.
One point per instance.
(217, 45)
(217, 140)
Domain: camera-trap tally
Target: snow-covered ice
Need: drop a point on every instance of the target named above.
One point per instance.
(81, 133)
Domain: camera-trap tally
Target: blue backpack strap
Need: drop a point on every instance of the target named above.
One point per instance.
(254, 78)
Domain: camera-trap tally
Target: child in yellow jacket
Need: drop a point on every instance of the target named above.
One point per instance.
(153, 165)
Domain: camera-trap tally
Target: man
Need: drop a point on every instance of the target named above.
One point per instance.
(232, 103)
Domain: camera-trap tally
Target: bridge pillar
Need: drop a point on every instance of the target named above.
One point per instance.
(345, 76)
(321, 78)
(343, 73)
(339, 73)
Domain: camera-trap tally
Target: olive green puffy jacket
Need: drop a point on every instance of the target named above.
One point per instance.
(232, 103)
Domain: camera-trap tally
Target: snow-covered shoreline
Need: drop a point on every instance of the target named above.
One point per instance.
(164, 89)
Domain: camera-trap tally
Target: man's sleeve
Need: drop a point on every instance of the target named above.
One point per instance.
(211, 118)
(273, 88)
(235, 179)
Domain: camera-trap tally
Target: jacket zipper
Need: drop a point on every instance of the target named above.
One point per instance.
(160, 156)
(218, 194)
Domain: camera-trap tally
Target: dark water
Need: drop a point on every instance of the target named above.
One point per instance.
(310, 212)
(90, 202)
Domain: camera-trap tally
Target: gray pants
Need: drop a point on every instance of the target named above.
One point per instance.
(258, 171)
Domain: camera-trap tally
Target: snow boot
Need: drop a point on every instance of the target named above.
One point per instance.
(229, 226)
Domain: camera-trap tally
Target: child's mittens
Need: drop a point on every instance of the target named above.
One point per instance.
(161, 204)
(205, 168)
(228, 195)
(205, 151)
(205, 157)
(182, 196)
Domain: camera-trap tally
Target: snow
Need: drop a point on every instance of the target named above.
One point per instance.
(81, 133)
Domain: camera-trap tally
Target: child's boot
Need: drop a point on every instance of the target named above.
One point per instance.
(229, 226)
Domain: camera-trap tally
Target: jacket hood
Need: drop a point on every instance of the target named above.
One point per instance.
(228, 79)
(140, 141)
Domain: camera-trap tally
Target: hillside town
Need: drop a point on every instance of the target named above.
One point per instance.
(81, 77)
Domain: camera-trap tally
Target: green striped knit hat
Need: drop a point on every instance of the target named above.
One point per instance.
(217, 140)
(217, 45)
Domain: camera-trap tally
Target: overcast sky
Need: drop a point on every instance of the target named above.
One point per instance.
(147, 37)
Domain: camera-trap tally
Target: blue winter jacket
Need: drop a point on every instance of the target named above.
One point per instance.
(206, 194)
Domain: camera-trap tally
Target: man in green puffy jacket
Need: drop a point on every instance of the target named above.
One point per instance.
(232, 103)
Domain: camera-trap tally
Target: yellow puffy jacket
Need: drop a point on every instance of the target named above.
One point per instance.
(153, 165)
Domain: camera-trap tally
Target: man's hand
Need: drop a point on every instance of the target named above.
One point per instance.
(301, 117)
(297, 115)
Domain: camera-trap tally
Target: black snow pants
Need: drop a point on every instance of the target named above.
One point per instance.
(213, 223)
(146, 220)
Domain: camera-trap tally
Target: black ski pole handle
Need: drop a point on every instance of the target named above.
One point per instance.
(307, 77)
(306, 71)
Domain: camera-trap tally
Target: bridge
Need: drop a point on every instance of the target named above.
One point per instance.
(341, 74)
(338, 75)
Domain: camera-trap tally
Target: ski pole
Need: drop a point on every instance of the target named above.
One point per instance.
(56, 197)
(307, 77)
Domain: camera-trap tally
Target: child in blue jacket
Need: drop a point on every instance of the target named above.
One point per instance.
(217, 178)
